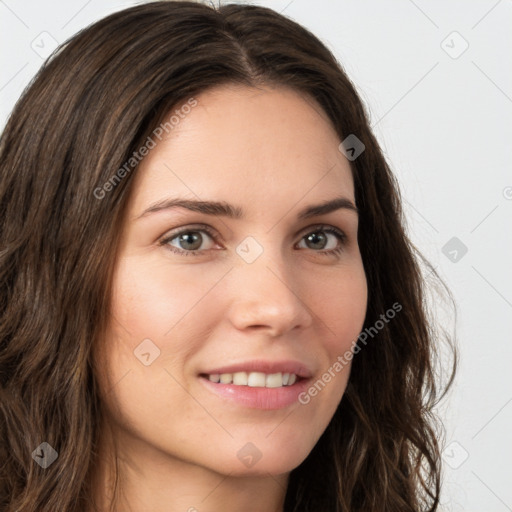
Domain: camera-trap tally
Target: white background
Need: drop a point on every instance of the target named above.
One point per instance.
(444, 122)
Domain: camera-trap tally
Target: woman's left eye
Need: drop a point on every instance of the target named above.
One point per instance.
(337, 244)
(191, 240)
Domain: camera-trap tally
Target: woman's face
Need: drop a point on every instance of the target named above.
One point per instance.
(250, 297)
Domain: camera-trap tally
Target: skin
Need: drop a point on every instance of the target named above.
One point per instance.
(272, 152)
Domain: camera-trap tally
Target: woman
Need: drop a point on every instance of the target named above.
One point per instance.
(208, 298)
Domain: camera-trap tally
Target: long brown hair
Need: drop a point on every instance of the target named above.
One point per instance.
(90, 107)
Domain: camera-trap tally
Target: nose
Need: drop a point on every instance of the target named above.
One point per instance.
(265, 296)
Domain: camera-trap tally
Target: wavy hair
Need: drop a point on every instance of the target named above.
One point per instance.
(92, 104)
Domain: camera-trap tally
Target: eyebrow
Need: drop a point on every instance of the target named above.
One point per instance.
(235, 212)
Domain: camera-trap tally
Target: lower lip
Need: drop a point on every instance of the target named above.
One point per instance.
(258, 397)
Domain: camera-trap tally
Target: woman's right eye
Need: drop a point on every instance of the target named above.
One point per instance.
(187, 241)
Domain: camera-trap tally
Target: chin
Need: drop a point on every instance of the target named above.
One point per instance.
(260, 460)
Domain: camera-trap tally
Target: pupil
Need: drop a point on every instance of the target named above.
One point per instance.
(313, 237)
(190, 238)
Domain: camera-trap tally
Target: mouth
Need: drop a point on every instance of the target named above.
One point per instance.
(254, 379)
(257, 384)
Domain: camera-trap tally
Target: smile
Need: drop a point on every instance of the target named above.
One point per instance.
(258, 384)
(255, 379)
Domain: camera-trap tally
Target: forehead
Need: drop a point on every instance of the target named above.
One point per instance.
(254, 143)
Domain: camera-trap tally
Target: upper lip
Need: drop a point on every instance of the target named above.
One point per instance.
(268, 367)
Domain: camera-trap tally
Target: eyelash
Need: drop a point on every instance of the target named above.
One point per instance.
(340, 235)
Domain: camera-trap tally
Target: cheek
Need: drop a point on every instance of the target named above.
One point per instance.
(154, 311)
(156, 301)
(340, 303)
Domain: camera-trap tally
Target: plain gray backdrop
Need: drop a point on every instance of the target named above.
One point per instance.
(437, 80)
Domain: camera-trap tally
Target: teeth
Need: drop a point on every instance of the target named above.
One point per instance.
(255, 379)
(226, 378)
(240, 378)
(274, 380)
